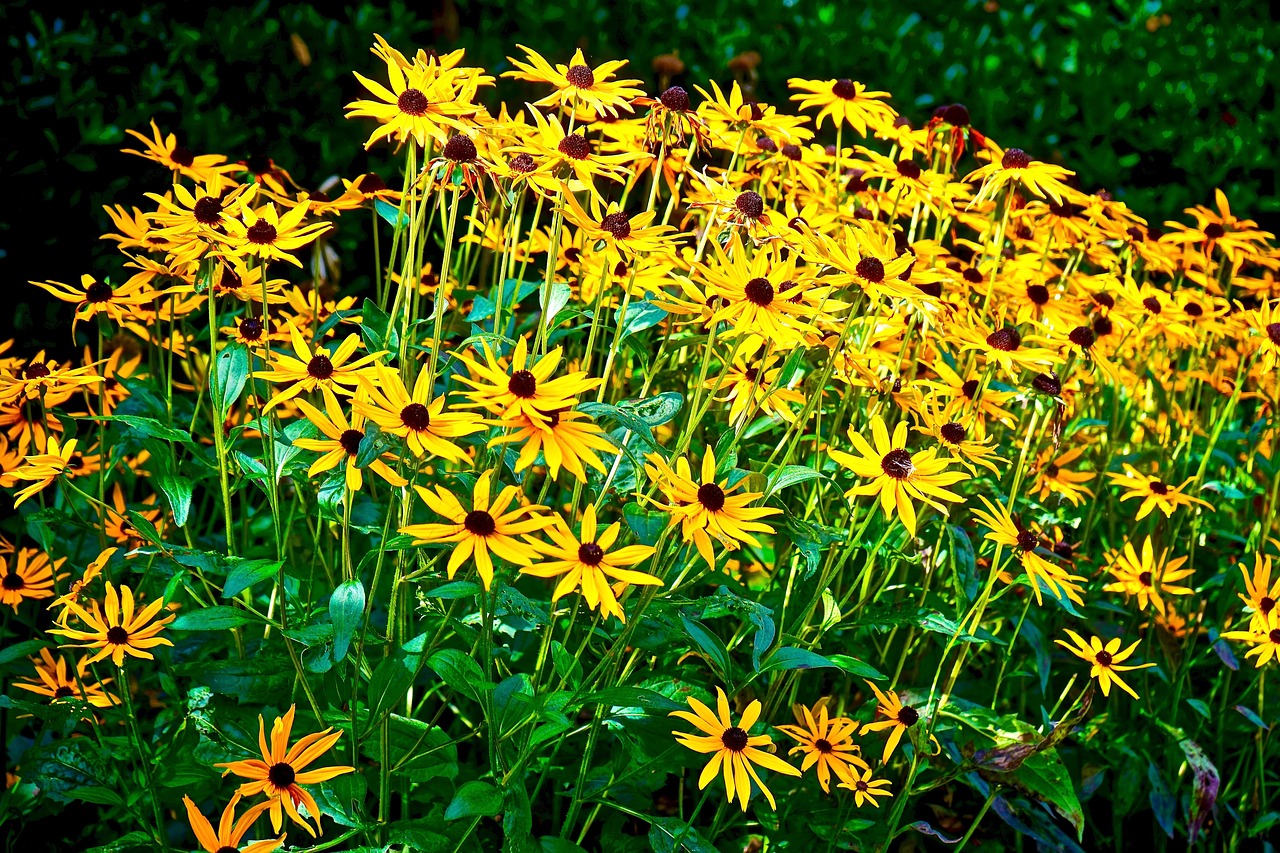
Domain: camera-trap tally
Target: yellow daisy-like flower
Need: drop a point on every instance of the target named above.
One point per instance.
(53, 680)
(341, 443)
(1265, 639)
(316, 367)
(844, 101)
(166, 151)
(94, 298)
(827, 742)
(1025, 542)
(624, 236)
(422, 422)
(279, 773)
(587, 562)
(266, 234)
(1106, 660)
(488, 526)
(865, 789)
(120, 631)
(897, 475)
(898, 717)
(1155, 493)
(735, 753)
(29, 576)
(577, 83)
(567, 439)
(707, 507)
(230, 830)
(1262, 593)
(1146, 577)
(1015, 166)
(422, 104)
(1053, 476)
(41, 469)
(528, 390)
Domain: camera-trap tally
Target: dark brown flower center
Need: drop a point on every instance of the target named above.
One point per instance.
(262, 233)
(952, 433)
(320, 367)
(281, 775)
(13, 581)
(229, 279)
(972, 275)
(590, 553)
(1273, 332)
(413, 102)
(522, 163)
(350, 441)
(36, 370)
(1152, 304)
(580, 77)
(1266, 604)
(64, 691)
(758, 291)
(861, 786)
(1015, 158)
(969, 389)
(734, 739)
(749, 204)
(618, 225)
(1047, 384)
(1005, 340)
(1038, 293)
(1144, 578)
(844, 89)
(956, 115)
(897, 464)
(183, 156)
(99, 291)
(574, 146)
(711, 497)
(1214, 231)
(207, 210)
(1103, 658)
(675, 99)
(823, 745)
(251, 329)
(908, 716)
(371, 182)
(117, 636)
(460, 149)
(1193, 309)
(871, 269)
(480, 523)
(1028, 541)
(523, 384)
(1274, 636)
(416, 417)
(1082, 336)
(908, 169)
(1102, 326)
(1158, 487)
(792, 152)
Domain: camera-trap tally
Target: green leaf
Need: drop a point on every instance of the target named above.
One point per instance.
(474, 799)
(552, 302)
(21, 650)
(216, 618)
(791, 657)
(145, 427)
(664, 832)
(789, 475)
(374, 444)
(711, 645)
(177, 490)
(640, 315)
(454, 589)
(232, 367)
(460, 672)
(647, 525)
(392, 213)
(630, 697)
(813, 541)
(245, 573)
(393, 678)
(346, 606)
(555, 844)
(856, 667)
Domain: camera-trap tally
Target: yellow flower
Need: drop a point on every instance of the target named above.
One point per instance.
(1016, 166)
(1106, 660)
(1265, 639)
(96, 298)
(424, 102)
(896, 475)
(324, 367)
(120, 631)
(865, 789)
(845, 101)
(827, 742)
(166, 151)
(1155, 493)
(230, 830)
(488, 526)
(577, 83)
(1025, 542)
(279, 773)
(566, 439)
(54, 681)
(898, 717)
(419, 420)
(588, 562)
(266, 234)
(30, 576)
(528, 390)
(1145, 576)
(707, 507)
(1262, 593)
(42, 469)
(735, 753)
(341, 443)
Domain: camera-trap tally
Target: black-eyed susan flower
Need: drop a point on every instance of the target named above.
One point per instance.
(1262, 594)
(898, 717)
(1003, 346)
(577, 83)
(421, 421)
(56, 682)
(825, 741)
(1105, 659)
(1264, 639)
(524, 387)
(1144, 576)
(566, 439)
(1154, 492)
(707, 507)
(1026, 543)
(94, 298)
(42, 469)
(230, 830)
(588, 562)
(623, 235)
(898, 476)
(279, 773)
(315, 367)
(729, 115)
(341, 443)
(116, 629)
(1054, 476)
(185, 215)
(181, 160)
(266, 234)
(489, 526)
(1015, 166)
(963, 436)
(844, 101)
(44, 379)
(27, 574)
(735, 753)
(753, 294)
(866, 789)
(1237, 238)
(90, 574)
